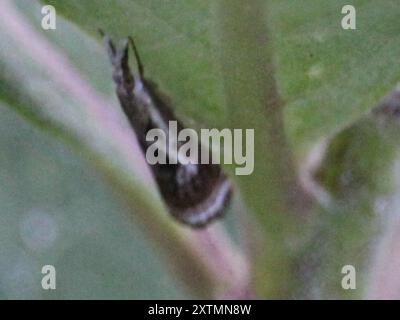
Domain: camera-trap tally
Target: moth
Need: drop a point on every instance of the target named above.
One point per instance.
(195, 194)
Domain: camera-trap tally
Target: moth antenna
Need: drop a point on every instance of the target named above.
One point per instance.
(109, 45)
(137, 57)
(124, 60)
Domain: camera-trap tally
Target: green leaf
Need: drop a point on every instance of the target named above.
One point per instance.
(40, 80)
(56, 209)
(327, 77)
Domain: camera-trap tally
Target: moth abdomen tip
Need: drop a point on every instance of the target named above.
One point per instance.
(209, 209)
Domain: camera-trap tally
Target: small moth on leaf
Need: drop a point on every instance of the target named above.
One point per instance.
(195, 194)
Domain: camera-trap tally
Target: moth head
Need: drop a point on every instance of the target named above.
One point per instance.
(119, 58)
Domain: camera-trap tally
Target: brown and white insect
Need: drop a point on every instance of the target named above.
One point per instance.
(194, 193)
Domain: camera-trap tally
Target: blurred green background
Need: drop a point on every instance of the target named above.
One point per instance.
(63, 172)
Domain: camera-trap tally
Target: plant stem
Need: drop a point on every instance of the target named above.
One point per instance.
(272, 190)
